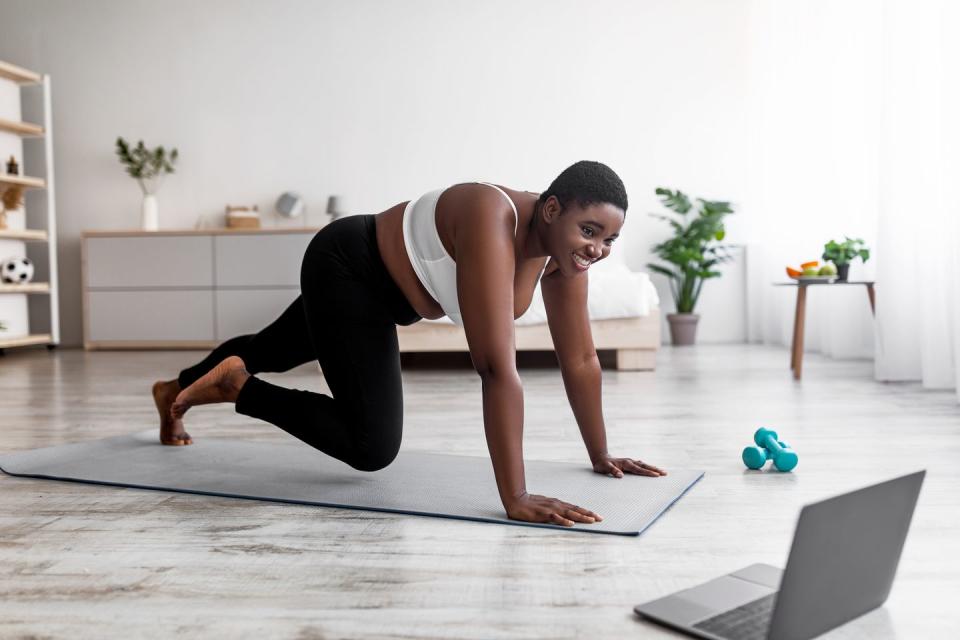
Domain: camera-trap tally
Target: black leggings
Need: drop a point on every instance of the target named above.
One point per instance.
(345, 318)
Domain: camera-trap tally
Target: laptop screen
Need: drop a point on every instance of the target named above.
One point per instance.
(844, 557)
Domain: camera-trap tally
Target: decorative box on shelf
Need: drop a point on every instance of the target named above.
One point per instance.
(243, 217)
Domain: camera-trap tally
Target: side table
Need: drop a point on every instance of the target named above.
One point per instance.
(796, 349)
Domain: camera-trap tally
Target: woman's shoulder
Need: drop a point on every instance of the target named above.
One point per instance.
(483, 186)
(466, 198)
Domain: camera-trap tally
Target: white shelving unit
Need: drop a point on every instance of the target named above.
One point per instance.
(14, 311)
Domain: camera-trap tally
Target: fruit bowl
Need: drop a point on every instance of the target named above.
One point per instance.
(813, 272)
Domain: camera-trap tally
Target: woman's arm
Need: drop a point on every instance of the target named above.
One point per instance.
(565, 300)
(485, 267)
(485, 270)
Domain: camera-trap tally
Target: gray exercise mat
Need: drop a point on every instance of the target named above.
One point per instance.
(430, 484)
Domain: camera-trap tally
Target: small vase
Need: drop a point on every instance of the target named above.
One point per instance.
(843, 270)
(683, 328)
(149, 214)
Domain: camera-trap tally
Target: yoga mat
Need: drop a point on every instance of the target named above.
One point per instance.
(428, 484)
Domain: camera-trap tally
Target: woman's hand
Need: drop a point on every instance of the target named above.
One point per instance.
(534, 508)
(616, 467)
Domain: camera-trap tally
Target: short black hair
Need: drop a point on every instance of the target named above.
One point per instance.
(588, 182)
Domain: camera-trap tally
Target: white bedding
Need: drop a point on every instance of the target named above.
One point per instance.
(614, 292)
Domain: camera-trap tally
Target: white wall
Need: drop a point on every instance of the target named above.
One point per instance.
(379, 101)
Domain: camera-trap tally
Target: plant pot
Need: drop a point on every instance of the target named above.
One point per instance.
(683, 328)
(842, 271)
(149, 213)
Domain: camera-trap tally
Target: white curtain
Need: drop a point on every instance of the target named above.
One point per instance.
(918, 313)
(813, 169)
(854, 132)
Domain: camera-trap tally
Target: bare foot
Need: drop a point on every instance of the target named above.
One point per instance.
(171, 429)
(220, 384)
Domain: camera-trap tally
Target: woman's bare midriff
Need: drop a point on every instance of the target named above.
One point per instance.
(394, 253)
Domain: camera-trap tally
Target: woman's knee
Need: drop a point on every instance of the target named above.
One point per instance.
(374, 461)
(376, 454)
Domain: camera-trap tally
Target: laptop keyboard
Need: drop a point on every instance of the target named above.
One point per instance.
(747, 622)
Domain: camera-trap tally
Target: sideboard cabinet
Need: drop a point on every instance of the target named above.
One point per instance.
(186, 289)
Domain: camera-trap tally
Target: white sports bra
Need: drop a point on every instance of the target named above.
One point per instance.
(435, 268)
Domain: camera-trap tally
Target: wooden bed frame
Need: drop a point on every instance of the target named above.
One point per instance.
(635, 340)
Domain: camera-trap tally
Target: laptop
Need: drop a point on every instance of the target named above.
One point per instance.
(842, 563)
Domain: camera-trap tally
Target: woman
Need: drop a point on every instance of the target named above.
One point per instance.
(473, 252)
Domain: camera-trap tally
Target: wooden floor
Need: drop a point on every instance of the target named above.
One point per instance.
(80, 561)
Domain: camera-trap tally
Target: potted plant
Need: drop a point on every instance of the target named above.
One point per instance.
(843, 253)
(693, 252)
(148, 166)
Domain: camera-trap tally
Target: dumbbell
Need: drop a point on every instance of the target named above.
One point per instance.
(769, 448)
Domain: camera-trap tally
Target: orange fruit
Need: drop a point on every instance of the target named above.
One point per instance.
(807, 265)
(793, 273)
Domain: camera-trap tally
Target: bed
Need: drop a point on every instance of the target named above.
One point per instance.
(624, 317)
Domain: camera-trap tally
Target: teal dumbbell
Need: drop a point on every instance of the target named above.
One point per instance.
(769, 448)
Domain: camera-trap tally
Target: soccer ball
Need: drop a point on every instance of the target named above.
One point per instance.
(16, 271)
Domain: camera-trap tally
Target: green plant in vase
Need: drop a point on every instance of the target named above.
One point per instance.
(692, 255)
(843, 253)
(148, 167)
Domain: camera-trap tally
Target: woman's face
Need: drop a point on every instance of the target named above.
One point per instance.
(579, 236)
